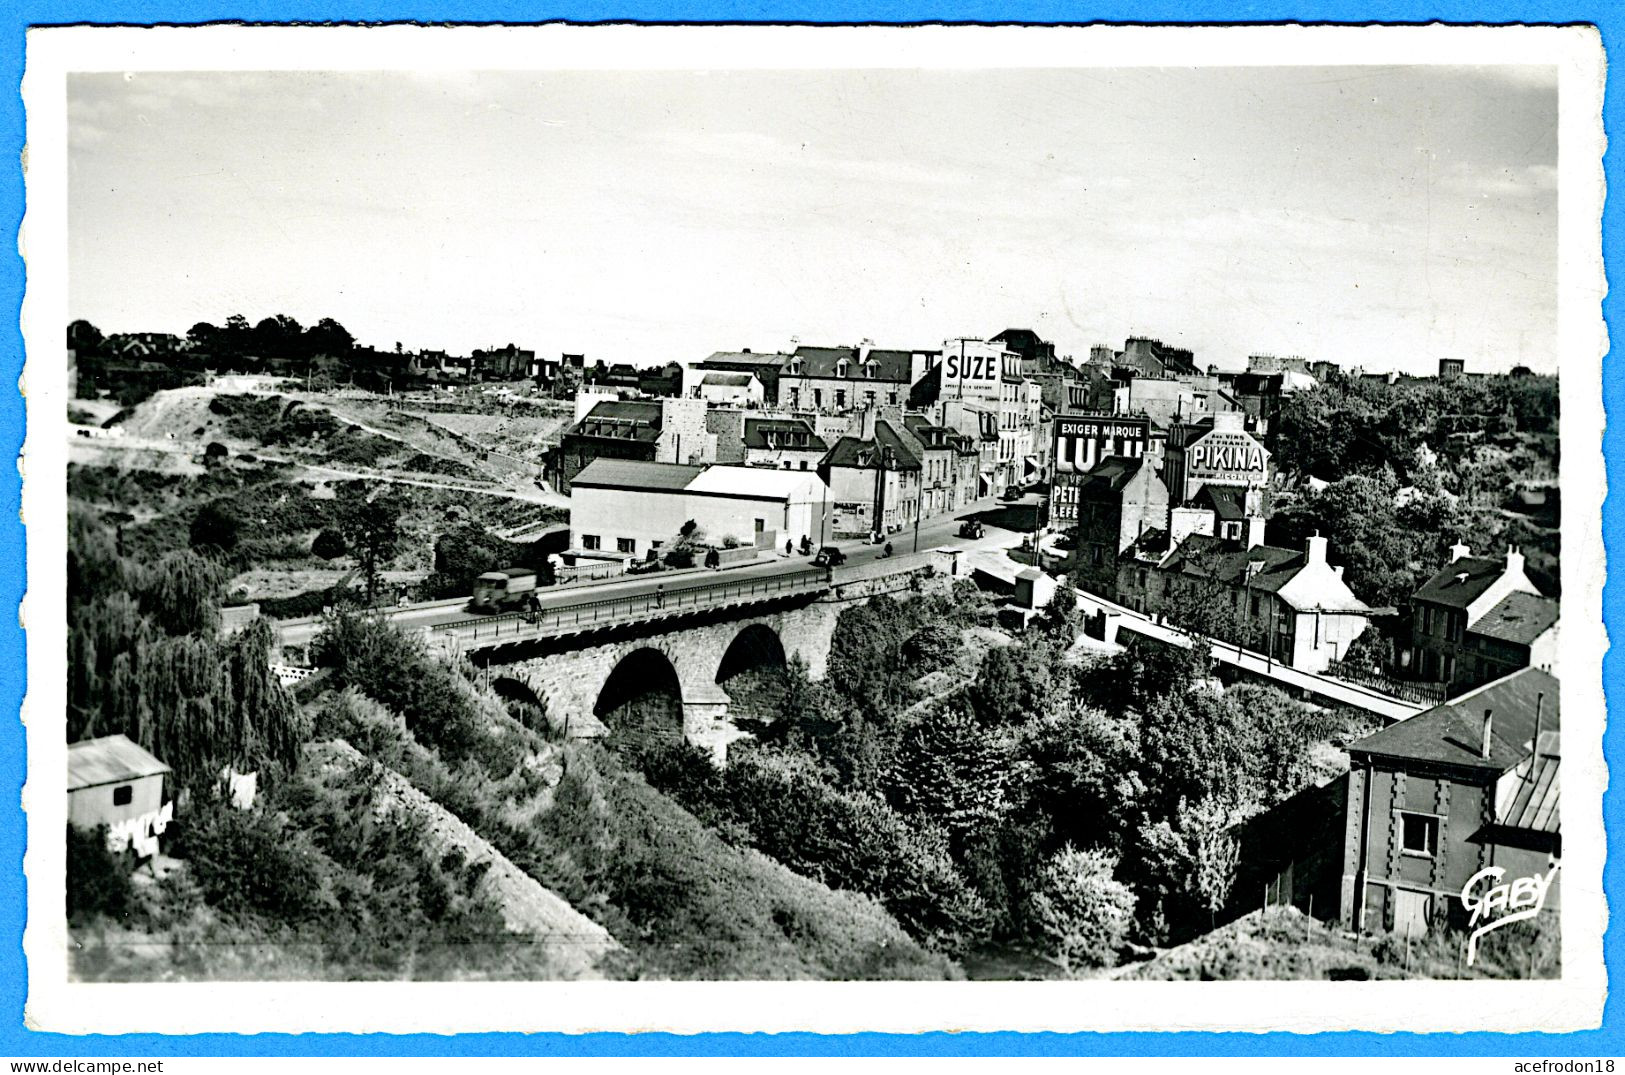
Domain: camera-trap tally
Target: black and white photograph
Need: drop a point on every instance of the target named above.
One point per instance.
(1070, 507)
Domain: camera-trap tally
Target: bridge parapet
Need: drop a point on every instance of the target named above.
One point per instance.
(592, 615)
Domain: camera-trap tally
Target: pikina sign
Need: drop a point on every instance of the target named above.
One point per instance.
(1224, 456)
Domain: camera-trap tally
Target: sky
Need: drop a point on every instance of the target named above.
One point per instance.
(1375, 216)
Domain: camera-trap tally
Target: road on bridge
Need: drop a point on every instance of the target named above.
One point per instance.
(938, 533)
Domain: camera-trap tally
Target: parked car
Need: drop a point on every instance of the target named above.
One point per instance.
(829, 556)
(970, 528)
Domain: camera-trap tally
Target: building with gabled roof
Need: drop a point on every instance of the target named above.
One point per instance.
(1290, 605)
(1109, 508)
(664, 430)
(839, 380)
(781, 443)
(874, 475)
(1465, 786)
(1458, 595)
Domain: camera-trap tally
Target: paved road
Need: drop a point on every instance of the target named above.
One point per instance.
(862, 561)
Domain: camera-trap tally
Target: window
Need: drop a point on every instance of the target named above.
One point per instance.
(803, 464)
(1419, 834)
(840, 398)
(123, 795)
(818, 399)
(590, 541)
(1255, 604)
(795, 398)
(626, 545)
(891, 398)
(761, 524)
(869, 398)
(841, 368)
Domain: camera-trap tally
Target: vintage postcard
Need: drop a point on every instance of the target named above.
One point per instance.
(835, 529)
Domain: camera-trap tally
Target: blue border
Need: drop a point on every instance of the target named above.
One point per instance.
(15, 1040)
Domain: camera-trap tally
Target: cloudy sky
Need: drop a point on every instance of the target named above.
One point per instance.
(1380, 216)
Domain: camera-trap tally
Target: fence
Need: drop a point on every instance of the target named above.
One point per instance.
(608, 611)
(1410, 690)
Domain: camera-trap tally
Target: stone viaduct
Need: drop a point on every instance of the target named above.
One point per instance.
(578, 680)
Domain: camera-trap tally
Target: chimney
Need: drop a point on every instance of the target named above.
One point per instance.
(864, 347)
(1255, 531)
(1514, 561)
(1458, 550)
(867, 432)
(1315, 549)
(1338, 571)
(1489, 725)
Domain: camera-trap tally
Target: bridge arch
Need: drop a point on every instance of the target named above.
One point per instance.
(523, 701)
(641, 700)
(756, 645)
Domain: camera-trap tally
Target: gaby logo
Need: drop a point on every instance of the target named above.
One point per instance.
(1496, 904)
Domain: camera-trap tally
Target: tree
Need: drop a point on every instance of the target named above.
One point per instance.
(372, 529)
(1079, 914)
(1013, 683)
(329, 544)
(181, 593)
(1214, 853)
(204, 335)
(1061, 619)
(952, 770)
(215, 454)
(84, 337)
(1198, 745)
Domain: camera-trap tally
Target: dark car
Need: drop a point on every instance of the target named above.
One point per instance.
(970, 528)
(829, 556)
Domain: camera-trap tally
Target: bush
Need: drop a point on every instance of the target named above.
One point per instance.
(1079, 914)
(98, 879)
(329, 544)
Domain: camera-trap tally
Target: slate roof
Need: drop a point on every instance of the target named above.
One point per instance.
(636, 474)
(853, 452)
(1518, 617)
(823, 362)
(731, 378)
(113, 759)
(783, 433)
(1451, 733)
(1202, 556)
(621, 420)
(1228, 503)
(1461, 582)
(1110, 475)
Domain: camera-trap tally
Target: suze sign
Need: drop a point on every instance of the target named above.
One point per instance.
(978, 373)
(1227, 457)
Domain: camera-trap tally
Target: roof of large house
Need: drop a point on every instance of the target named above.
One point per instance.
(1202, 556)
(776, 433)
(112, 759)
(635, 474)
(1462, 581)
(1517, 617)
(1452, 733)
(771, 359)
(825, 362)
(621, 420)
(856, 452)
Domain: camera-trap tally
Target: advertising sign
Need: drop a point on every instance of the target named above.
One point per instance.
(972, 369)
(1226, 457)
(1081, 441)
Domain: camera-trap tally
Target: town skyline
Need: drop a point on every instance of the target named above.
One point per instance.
(1176, 212)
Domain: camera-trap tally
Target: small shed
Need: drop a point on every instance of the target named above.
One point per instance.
(112, 780)
(1034, 589)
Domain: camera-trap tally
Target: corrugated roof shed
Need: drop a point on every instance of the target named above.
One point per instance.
(112, 759)
(1531, 797)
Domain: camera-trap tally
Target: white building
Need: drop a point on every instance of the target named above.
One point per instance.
(728, 388)
(631, 507)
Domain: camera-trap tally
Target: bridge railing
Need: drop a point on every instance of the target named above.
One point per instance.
(584, 615)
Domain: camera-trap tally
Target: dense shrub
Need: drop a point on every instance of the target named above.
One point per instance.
(98, 880)
(329, 544)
